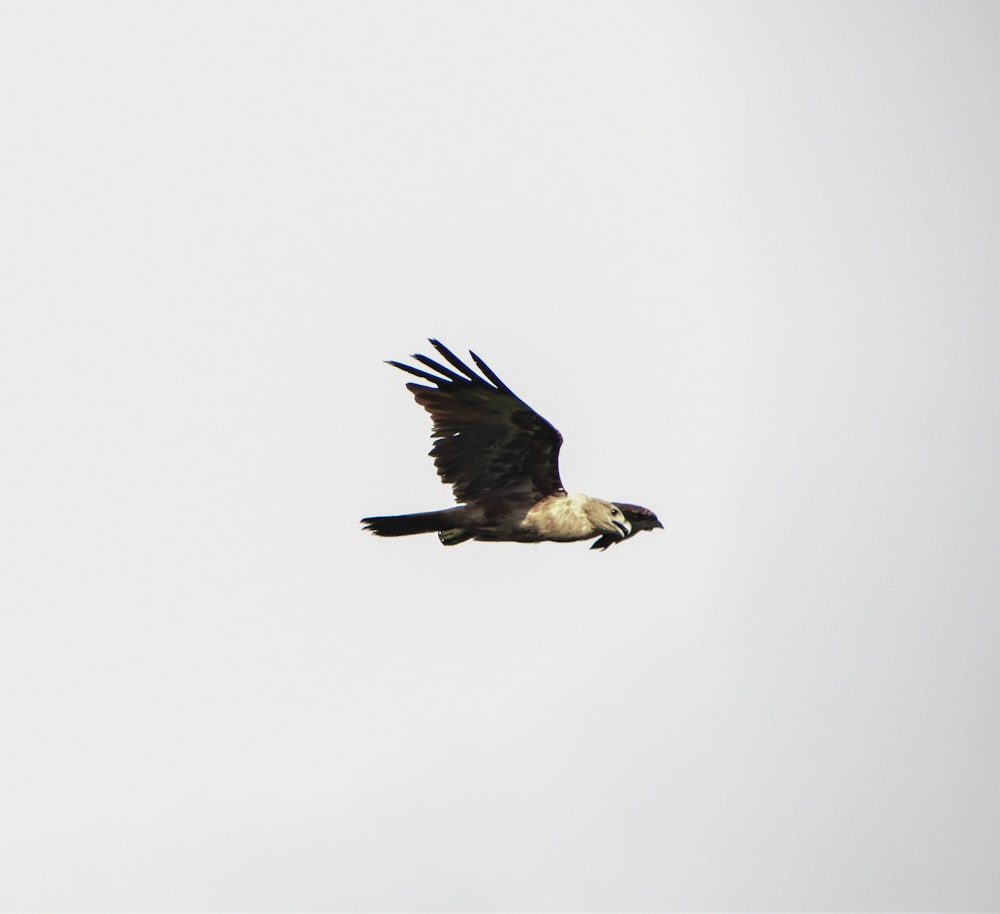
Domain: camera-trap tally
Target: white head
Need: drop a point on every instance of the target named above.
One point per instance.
(607, 518)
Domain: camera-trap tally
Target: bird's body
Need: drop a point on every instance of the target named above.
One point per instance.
(501, 459)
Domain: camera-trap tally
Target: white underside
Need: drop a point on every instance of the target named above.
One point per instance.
(560, 517)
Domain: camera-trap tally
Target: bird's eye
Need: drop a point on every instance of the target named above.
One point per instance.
(614, 512)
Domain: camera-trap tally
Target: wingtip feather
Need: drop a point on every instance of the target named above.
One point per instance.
(454, 360)
(491, 374)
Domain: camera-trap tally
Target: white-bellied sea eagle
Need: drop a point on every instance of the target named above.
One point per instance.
(502, 461)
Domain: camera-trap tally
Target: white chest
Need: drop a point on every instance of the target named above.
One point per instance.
(560, 517)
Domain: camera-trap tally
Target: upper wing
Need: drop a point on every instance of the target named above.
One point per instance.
(489, 441)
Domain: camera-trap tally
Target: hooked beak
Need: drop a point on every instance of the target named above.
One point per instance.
(625, 528)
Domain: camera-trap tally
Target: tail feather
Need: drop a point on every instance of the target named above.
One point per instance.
(407, 524)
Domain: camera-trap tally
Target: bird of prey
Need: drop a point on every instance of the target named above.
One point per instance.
(502, 461)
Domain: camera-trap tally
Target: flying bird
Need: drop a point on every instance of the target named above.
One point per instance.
(502, 461)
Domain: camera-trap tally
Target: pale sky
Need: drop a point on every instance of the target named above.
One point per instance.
(743, 255)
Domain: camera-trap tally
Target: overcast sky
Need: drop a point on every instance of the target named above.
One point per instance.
(743, 255)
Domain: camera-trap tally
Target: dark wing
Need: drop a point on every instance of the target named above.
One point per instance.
(489, 441)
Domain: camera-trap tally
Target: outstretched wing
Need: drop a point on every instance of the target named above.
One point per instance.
(489, 441)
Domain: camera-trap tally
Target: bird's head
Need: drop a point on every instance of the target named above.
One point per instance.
(637, 517)
(608, 518)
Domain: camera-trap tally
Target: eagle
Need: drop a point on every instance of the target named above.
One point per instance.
(501, 459)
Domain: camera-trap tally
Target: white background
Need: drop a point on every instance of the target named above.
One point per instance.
(744, 256)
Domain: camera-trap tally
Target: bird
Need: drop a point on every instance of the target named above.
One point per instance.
(501, 459)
